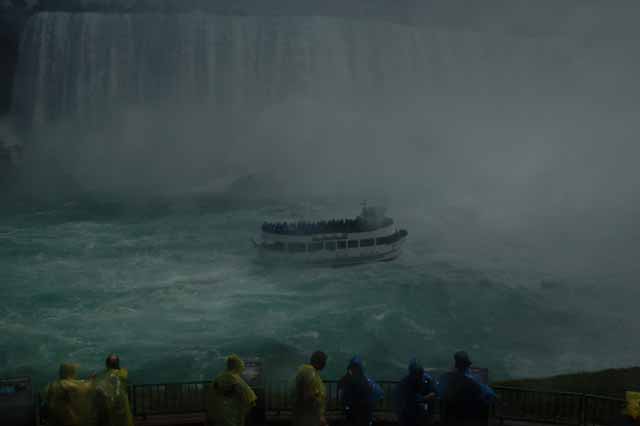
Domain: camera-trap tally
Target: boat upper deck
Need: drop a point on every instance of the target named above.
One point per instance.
(335, 226)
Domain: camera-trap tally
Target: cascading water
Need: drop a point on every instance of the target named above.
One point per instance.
(88, 62)
(206, 80)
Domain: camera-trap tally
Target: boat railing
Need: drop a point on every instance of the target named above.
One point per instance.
(325, 227)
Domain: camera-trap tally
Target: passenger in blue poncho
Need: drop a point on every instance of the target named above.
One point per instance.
(358, 394)
(465, 401)
(413, 395)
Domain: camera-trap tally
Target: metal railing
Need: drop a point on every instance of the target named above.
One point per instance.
(167, 398)
(279, 397)
(560, 408)
(180, 398)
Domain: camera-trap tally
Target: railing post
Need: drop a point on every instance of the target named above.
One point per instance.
(38, 414)
(586, 417)
(203, 396)
(132, 398)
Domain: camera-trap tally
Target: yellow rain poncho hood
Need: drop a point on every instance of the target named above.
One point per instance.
(309, 397)
(68, 371)
(112, 398)
(229, 397)
(68, 399)
(235, 365)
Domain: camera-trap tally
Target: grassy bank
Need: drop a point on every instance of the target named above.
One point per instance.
(612, 382)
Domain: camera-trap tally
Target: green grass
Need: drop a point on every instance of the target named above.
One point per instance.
(611, 382)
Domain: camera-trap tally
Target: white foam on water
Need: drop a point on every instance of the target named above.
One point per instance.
(194, 292)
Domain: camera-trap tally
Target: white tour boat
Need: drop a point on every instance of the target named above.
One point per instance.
(369, 237)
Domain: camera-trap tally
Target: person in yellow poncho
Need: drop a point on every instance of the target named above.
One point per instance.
(69, 399)
(111, 395)
(309, 393)
(229, 397)
(632, 408)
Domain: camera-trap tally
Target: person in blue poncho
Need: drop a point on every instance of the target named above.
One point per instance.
(358, 394)
(465, 400)
(413, 395)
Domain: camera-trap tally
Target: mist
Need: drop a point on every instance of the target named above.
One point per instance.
(529, 136)
(504, 139)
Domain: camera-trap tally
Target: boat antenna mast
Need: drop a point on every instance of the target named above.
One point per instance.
(365, 214)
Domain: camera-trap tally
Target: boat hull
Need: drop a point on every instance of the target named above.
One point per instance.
(337, 257)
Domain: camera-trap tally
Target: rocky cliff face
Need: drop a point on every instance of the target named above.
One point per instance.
(13, 15)
(9, 35)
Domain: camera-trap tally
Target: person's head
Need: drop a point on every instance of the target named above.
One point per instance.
(416, 371)
(356, 367)
(68, 371)
(461, 360)
(112, 362)
(235, 364)
(318, 360)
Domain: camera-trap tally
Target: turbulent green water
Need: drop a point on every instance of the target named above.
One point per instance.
(174, 286)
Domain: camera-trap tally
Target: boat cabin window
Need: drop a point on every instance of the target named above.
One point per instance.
(297, 247)
(315, 246)
(393, 238)
(384, 240)
(275, 246)
(352, 243)
(330, 245)
(366, 242)
(342, 244)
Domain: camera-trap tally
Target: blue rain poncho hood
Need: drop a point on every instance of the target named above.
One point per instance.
(408, 401)
(356, 361)
(376, 391)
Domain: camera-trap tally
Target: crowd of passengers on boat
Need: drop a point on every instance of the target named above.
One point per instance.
(323, 227)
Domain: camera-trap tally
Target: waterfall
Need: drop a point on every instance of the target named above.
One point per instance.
(195, 94)
(86, 63)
